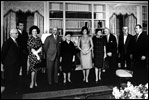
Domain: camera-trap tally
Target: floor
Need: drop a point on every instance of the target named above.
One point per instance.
(77, 82)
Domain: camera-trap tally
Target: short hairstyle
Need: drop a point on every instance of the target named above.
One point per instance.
(98, 30)
(83, 28)
(139, 25)
(19, 23)
(13, 30)
(126, 26)
(107, 29)
(34, 27)
(68, 32)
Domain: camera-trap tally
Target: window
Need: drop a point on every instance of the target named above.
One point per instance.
(145, 19)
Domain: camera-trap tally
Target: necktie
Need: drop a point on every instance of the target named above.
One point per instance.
(136, 37)
(107, 38)
(55, 37)
(16, 42)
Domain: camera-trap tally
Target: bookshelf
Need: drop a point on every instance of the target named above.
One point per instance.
(68, 16)
(99, 16)
(77, 16)
(55, 15)
(145, 18)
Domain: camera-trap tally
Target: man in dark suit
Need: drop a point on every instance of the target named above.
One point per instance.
(10, 57)
(52, 50)
(140, 51)
(22, 41)
(111, 51)
(125, 49)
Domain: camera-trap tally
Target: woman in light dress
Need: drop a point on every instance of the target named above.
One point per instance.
(85, 45)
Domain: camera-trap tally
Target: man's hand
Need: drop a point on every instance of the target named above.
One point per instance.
(60, 59)
(143, 58)
(73, 60)
(119, 65)
(131, 57)
(109, 54)
(2, 68)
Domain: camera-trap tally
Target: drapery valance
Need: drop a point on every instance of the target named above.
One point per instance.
(12, 7)
(122, 9)
(24, 6)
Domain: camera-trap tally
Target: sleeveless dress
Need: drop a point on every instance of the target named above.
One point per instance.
(86, 60)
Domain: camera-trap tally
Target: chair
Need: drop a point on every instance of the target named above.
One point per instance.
(124, 76)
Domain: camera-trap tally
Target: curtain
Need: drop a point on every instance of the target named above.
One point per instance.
(39, 21)
(126, 20)
(113, 26)
(131, 21)
(9, 23)
(29, 21)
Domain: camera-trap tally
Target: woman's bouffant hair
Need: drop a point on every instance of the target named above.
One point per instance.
(34, 27)
(98, 30)
(68, 32)
(83, 28)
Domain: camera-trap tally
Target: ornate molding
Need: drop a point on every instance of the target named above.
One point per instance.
(122, 9)
(24, 6)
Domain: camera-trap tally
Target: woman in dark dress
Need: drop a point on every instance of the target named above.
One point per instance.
(35, 53)
(99, 53)
(67, 56)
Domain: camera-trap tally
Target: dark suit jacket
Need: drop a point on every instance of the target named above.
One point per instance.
(124, 50)
(111, 46)
(52, 47)
(140, 72)
(22, 41)
(140, 46)
(10, 55)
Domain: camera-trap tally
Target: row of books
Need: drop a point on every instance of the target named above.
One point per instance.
(78, 7)
(56, 23)
(76, 24)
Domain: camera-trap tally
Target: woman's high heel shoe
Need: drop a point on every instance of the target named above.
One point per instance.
(86, 80)
(96, 80)
(35, 84)
(31, 86)
(69, 80)
(64, 81)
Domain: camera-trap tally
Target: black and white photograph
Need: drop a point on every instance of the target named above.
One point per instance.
(74, 49)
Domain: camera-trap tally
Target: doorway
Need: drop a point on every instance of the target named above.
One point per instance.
(117, 21)
(26, 17)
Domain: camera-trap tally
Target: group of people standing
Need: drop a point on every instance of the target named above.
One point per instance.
(128, 53)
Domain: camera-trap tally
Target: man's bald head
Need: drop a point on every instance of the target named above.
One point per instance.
(54, 30)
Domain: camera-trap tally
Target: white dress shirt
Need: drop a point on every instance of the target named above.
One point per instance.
(125, 37)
